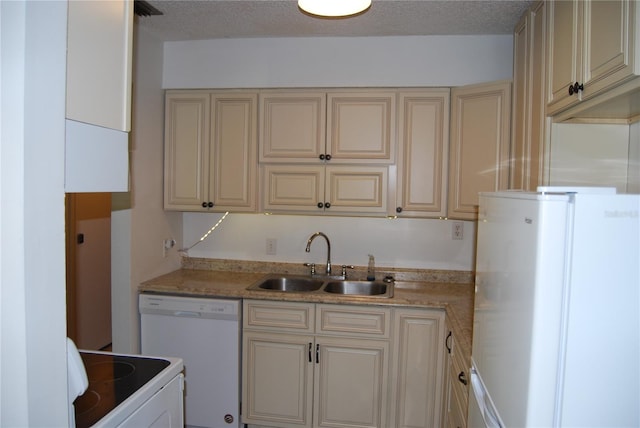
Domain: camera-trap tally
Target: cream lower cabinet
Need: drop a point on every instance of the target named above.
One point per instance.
(333, 189)
(335, 377)
(456, 384)
(210, 151)
(328, 365)
(417, 388)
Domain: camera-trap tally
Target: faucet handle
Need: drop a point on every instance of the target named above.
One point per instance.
(344, 270)
(313, 268)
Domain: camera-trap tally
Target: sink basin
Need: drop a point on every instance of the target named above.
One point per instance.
(360, 288)
(288, 283)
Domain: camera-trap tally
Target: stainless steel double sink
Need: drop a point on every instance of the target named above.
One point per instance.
(306, 284)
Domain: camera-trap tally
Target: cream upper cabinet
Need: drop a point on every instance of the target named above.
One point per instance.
(292, 126)
(210, 151)
(528, 118)
(423, 153)
(419, 367)
(361, 126)
(293, 188)
(99, 63)
(480, 138)
(305, 126)
(336, 376)
(592, 46)
(325, 189)
(326, 152)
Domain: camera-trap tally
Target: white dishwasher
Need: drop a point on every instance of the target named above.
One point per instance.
(205, 333)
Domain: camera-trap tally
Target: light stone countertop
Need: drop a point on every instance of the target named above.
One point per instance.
(446, 290)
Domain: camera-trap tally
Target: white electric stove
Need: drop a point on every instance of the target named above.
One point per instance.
(130, 391)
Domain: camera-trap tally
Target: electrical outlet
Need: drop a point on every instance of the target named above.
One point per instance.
(167, 244)
(271, 246)
(457, 230)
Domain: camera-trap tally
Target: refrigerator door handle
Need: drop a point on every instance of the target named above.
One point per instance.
(487, 408)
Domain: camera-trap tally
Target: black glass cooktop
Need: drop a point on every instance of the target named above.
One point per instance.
(112, 379)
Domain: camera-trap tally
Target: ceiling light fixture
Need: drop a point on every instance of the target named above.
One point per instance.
(334, 8)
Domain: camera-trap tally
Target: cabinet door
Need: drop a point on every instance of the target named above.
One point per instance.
(293, 188)
(564, 52)
(479, 158)
(361, 127)
(609, 42)
(277, 379)
(592, 43)
(232, 176)
(419, 363)
(528, 118)
(360, 189)
(423, 153)
(186, 158)
(351, 382)
(99, 63)
(292, 126)
(459, 378)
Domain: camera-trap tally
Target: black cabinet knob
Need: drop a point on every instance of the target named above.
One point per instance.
(204, 205)
(327, 205)
(210, 204)
(399, 210)
(320, 205)
(321, 157)
(462, 378)
(575, 88)
(327, 156)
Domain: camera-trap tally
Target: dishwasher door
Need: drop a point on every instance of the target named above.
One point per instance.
(205, 333)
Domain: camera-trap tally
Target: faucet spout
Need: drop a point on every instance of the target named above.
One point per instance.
(326, 238)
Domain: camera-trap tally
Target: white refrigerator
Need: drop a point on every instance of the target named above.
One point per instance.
(557, 310)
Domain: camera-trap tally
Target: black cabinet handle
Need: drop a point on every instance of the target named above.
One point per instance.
(204, 205)
(462, 378)
(310, 347)
(317, 353)
(320, 205)
(446, 342)
(327, 205)
(399, 210)
(575, 88)
(327, 157)
(210, 204)
(321, 157)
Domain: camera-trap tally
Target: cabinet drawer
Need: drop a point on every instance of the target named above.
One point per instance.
(350, 320)
(264, 315)
(459, 366)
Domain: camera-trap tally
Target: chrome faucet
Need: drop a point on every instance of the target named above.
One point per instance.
(308, 249)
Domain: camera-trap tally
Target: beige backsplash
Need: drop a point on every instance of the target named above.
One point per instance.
(359, 273)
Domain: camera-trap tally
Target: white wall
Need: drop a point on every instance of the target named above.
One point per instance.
(339, 62)
(590, 155)
(33, 357)
(326, 62)
(138, 233)
(408, 243)
(634, 158)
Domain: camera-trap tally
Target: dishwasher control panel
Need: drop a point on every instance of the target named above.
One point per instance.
(197, 307)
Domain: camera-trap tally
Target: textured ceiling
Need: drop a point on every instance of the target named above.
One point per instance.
(215, 19)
